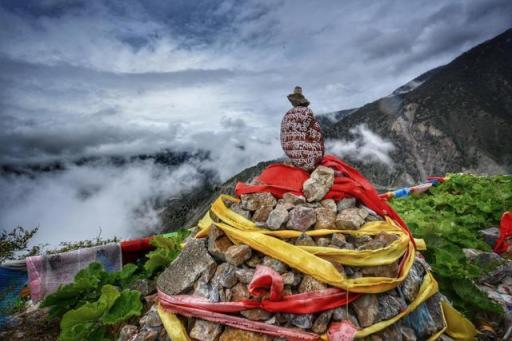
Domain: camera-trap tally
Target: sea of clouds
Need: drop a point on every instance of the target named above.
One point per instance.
(107, 199)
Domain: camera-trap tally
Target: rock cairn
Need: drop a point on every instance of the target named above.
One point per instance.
(216, 269)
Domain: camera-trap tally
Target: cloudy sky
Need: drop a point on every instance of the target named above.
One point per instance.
(102, 77)
(110, 77)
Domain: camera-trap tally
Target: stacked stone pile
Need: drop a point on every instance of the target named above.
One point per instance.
(218, 270)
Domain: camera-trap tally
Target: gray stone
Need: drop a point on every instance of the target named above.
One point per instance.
(344, 314)
(283, 204)
(427, 319)
(253, 261)
(225, 295)
(390, 270)
(274, 264)
(289, 278)
(346, 203)
(303, 321)
(234, 334)
(485, 260)
(329, 204)
(380, 241)
(311, 205)
(408, 334)
(261, 215)
(244, 275)
(225, 275)
(195, 259)
(163, 336)
(237, 208)
(363, 213)
(389, 306)
(322, 322)
(239, 293)
(310, 284)
(349, 219)
(218, 243)
(127, 332)
(145, 286)
(392, 332)
(318, 184)
(339, 240)
(490, 235)
(277, 218)
(323, 242)
(256, 314)
(205, 330)
(412, 282)
(238, 254)
(301, 218)
(366, 309)
(253, 201)
(325, 218)
(201, 289)
(358, 240)
(147, 335)
(297, 278)
(305, 240)
(151, 319)
(293, 199)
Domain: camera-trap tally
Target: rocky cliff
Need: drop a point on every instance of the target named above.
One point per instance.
(457, 117)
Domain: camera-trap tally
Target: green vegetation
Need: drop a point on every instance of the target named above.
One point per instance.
(97, 300)
(14, 242)
(449, 218)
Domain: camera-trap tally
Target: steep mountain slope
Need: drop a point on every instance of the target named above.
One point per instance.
(458, 119)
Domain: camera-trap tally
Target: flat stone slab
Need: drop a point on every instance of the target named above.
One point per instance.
(181, 274)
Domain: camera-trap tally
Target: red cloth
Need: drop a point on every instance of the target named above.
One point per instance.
(341, 331)
(239, 322)
(505, 233)
(263, 279)
(132, 250)
(279, 179)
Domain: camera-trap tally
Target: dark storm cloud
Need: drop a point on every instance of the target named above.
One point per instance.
(80, 77)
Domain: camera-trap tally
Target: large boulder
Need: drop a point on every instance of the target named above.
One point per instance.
(195, 259)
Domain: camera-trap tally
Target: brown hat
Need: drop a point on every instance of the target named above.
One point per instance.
(297, 99)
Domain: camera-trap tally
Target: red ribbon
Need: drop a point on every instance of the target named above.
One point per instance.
(505, 233)
(264, 280)
(279, 179)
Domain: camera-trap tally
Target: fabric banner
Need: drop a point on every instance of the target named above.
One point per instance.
(46, 273)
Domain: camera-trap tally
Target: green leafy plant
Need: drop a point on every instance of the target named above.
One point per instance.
(449, 218)
(98, 299)
(167, 249)
(89, 321)
(14, 242)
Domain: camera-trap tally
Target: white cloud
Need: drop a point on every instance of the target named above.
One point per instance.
(365, 146)
(75, 204)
